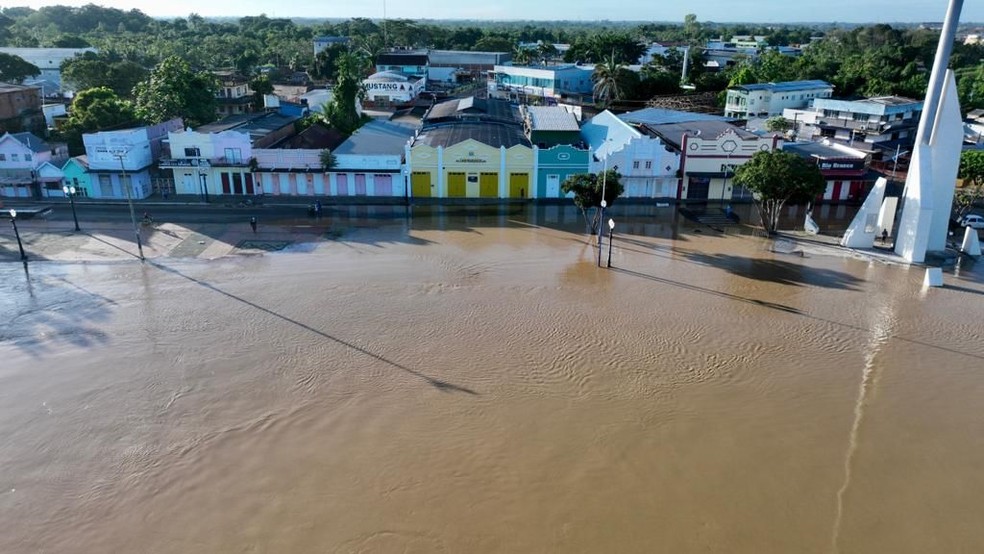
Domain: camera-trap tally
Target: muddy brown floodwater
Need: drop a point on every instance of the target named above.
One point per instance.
(465, 387)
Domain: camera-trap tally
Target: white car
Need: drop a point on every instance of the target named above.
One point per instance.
(973, 221)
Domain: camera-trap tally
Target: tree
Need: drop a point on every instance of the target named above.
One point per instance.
(587, 189)
(95, 110)
(261, 86)
(341, 111)
(328, 160)
(14, 69)
(972, 172)
(778, 124)
(94, 70)
(175, 90)
(778, 177)
(607, 81)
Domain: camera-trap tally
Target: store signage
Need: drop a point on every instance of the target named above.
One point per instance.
(842, 165)
(470, 161)
(386, 86)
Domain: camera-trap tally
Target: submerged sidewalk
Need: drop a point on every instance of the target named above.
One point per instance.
(116, 241)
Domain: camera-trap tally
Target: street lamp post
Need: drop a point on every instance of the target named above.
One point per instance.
(601, 230)
(120, 154)
(70, 193)
(20, 245)
(203, 167)
(611, 231)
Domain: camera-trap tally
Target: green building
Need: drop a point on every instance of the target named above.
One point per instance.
(76, 172)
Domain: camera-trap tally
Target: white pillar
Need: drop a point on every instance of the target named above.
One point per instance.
(535, 177)
(441, 192)
(503, 176)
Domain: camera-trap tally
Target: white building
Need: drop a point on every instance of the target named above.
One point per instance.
(544, 81)
(770, 99)
(368, 163)
(120, 161)
(388, 88)
(29, 166)
(647, 166)
(49, 61)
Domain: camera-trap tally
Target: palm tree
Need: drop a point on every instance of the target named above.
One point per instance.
(607, 77)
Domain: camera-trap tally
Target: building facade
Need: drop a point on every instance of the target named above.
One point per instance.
(770, 99)
(410, 63)
(845, 169)
(233, 97)
(878, 126)
(388, 88)
(29, 166)
(21, 109)
(648, 168)
(543, 81)
(76, 174)
(120, 162)
(709, 152)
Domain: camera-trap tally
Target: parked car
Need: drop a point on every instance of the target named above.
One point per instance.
(973, 221)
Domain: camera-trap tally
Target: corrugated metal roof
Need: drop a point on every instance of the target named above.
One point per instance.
(660, 116)
(551, 118)
(35, 143)
(786, 86)
(822, 150)
(378, 138)
(492, 134)
(672, 134)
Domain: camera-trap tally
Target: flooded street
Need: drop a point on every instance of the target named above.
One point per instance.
(474, 383)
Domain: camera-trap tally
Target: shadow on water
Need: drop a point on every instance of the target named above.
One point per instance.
(776, 271)
(42, 311)
(438, 384)
(788, 309)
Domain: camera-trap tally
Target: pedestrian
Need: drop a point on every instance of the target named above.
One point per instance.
(165, 195)
(885, 235)
(317, 207)
(252, 223)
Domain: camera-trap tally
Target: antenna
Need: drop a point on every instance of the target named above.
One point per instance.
(385, 38)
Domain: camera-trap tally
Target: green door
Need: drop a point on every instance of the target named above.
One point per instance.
(519, 185)
(488, 185)
(456, 185)
(420, 184)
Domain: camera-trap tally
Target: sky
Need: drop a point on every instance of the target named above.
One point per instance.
(750, 11)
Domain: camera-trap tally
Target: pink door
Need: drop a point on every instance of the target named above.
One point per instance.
(360, 184)
(383, 185)
(341, 180)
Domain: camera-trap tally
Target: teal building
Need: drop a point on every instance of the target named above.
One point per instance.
(557, 163)
(76, 172)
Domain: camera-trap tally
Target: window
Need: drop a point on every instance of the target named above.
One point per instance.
(234, 155)
(14, 158)
(3, 157)
(27, 157)
(635, 164)
(649, 164)
(193, 152)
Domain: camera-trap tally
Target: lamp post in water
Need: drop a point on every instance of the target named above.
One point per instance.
(20, 245)
(120, 153)
(70, 193)
(601, 229)
(611, 231)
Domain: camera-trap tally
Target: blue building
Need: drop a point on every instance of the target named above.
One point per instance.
(543, 81)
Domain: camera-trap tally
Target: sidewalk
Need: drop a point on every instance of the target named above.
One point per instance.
(101, 242)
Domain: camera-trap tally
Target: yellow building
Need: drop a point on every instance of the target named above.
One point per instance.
(470, 148)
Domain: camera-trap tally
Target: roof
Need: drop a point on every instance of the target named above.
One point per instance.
(257, 125)
(466, 57)
(378, 138)
(45, 58)
(551, 118)
(481, 108)
(316, 137)
(605, 133)
(82, 160)
(397, 58)
(672, 133)
(824, 150)
(391, 76)
(11, 87)
(660, 116)
(881, 105)
(785, 86)
(31, 141)
(492, 134)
